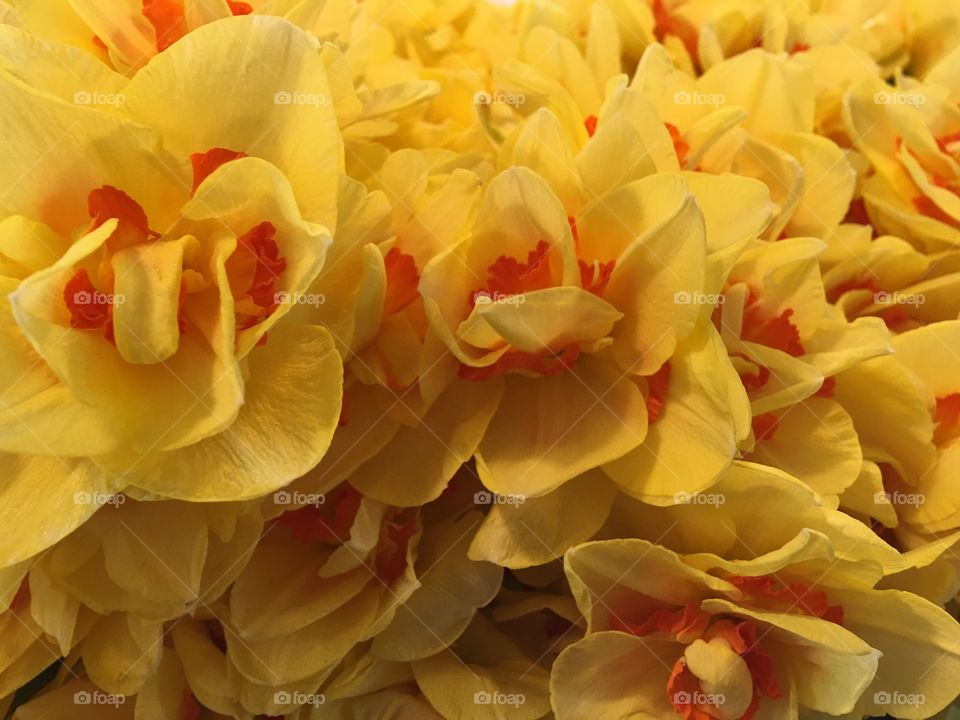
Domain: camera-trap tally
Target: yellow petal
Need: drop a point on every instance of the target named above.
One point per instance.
(549, 430)
(521, 534)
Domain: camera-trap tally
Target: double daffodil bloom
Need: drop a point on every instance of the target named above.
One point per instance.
(762, 636)
(143, 272)
(754, 115)
(570, 319)
(910, 135)
(787, 344)
(127, 34)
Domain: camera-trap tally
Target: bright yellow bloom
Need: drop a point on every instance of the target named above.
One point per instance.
(143, 338)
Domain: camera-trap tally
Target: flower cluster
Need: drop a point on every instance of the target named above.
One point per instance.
(474, 360)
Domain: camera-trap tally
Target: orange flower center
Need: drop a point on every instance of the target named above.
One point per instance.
(329, 522)
(688, 624)
(683, 687)
(391, 559)
(769, 593)
(591, 125)
(947, 418)
(256, 264)
(90, 304)
(169, 18)
(776, 331)
(206, 162)
(667, 24)
(657, 386)
(509, 276)
(403, 280)
(680, 146)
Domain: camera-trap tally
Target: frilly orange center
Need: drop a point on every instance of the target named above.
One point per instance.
(770, 593)
(590, 124)
(90, 303)
(680, 146)
(391, 558)
(690, 623)
(683, 687)
(765, 426)
(775, 331)
(168, 18)
(507, 277)
(206, 162)
(657, 386)
(403, 280)
(665, 24)
(256, 265)
(327, 522)
(947, 419)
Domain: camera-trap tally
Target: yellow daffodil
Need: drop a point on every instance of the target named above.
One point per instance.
(719, 638)
(909, 135)
(141, 290)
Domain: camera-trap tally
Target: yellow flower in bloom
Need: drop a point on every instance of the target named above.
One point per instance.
(127, 34)
(143, 338)
(559, 313)
(910, 137)
(787, 345)
(722, 639)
